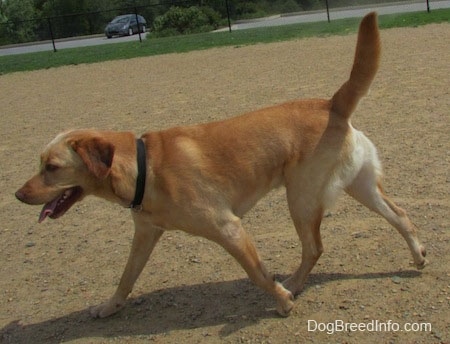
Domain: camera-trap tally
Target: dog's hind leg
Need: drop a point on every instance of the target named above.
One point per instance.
(145, 238)
(307, 218)
(366, 188)
(237, 242)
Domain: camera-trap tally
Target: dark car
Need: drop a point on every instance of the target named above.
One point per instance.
(125, 25)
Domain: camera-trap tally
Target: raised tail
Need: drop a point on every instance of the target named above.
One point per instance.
(365, 66)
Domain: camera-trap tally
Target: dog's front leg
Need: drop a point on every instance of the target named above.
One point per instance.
(237, 242)
(145, 238)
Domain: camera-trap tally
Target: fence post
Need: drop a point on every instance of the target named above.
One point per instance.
(228, 15)
(138, 24)
(51, 34)
(328, 10)
(428, 6)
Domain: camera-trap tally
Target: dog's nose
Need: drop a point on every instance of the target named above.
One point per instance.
(20, 195)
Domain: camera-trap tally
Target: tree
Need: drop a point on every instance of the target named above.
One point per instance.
(18, 21)
(72, 24)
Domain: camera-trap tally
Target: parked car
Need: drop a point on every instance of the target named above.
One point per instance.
(125, 25)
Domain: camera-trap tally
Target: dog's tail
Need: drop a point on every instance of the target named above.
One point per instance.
(365, 66)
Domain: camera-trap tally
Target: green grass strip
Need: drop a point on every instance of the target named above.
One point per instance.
(178, 44)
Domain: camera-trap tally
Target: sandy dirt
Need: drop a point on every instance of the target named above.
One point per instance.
(191, 291)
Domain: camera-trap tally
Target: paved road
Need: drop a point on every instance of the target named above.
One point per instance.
(67, 43)
(271, 21)
(344, 13)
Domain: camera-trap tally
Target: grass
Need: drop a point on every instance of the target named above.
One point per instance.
(178, 44)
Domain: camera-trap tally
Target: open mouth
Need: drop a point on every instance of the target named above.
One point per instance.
(57, 207)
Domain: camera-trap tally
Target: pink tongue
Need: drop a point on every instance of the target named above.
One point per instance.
(48, 209)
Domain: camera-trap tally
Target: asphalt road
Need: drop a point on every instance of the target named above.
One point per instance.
(266, 22)
(66, 43)
(345, 13)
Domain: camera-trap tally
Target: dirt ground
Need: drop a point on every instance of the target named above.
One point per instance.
(191, 291)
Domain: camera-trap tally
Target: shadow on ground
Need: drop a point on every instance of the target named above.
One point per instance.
(161, 311)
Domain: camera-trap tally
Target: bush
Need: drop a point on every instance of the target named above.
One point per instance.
(289, 6)
(180, 20)
(249, 10)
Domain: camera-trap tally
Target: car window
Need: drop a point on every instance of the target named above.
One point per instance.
(120, 20)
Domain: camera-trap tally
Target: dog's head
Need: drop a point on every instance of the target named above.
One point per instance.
(72, 166)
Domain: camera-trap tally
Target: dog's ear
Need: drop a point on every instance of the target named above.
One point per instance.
(96, 153)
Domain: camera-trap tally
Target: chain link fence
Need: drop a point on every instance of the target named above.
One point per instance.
(93, 23)
(77, 24)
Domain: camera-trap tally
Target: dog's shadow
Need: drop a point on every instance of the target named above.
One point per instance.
(232, 304)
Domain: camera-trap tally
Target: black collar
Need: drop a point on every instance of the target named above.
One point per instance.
(142, 174)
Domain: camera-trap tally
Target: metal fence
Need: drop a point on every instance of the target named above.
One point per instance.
(77, 24)
(93, 23)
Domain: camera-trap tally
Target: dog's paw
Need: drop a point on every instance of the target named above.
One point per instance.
(293, 286)
(106, 309)
(422, 262)
(286, 303)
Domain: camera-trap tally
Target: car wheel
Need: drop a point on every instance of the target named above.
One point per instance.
(130, 32)
(108, 36)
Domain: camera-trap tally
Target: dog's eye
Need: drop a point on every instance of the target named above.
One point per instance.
(51, 167)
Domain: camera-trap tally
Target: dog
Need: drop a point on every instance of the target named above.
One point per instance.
(202, 179)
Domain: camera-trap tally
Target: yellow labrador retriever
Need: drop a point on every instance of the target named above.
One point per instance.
(202, 179)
